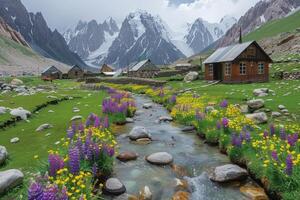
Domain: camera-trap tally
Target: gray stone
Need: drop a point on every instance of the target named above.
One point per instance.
(114, 186)
(2, 110)
(191, 76)
(43, 127)
(256, 103)
(244, 109)
(281, 107)
(14, 140)
(77, 117)
(50, 111)
(139, 112)
(16, 81)
(127, 156)
(20, 112)
(228, 173)
(276, 114)
(188, 128)
(261, 92)
(165, 119)
(3, 155)
(10, 179)
(160, 158)
(129, 120)
(258, 118)
(147, 105)
(285, 110)
(139, 132)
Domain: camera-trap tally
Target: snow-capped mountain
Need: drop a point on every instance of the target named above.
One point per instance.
(262, 12)
(142, 36)
(202, 33)
(33, 27)
(91, 40)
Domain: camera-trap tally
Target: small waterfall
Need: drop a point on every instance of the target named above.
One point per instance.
(202, 188)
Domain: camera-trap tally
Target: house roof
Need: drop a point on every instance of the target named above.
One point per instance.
(60, 68)
(183, 65)
(229, 53)
(138, 65)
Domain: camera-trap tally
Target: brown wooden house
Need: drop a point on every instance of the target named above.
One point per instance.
(106, 68)
(75, 72)
(53, 72)
(143, 69)
(240, 63)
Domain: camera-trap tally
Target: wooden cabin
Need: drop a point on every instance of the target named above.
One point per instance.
(106, 68)
(143, 69)
(240, 63)
(75, 72)
(52, 73)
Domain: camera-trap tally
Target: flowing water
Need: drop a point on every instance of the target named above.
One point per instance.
(187, 150)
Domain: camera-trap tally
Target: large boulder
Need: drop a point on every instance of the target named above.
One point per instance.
(16, 81)
(20, 112)
(160, 158)
(226, 173)
(261, 92)
(127, 156)
(2, 110)
(258, 118)
(139, 132)
(191, 76)
(256, 104)
(43, 127)
(3, 155)
(10, 179)
(114, 186)
(76, 117)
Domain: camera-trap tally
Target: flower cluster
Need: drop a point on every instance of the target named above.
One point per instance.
(71, 168)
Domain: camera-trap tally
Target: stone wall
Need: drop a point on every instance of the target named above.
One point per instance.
(126, 80)
(287, 75)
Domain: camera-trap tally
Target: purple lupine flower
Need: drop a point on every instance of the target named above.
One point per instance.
(173, 99)
(289, 165)
(74, 160)
(96, 151)
(282, 134)
(109, 150)
(79, 146)
(81, 128)
(247, 136)
(224, 103)
(55, 164)
(50, 193)
(70, 133)
(218, 125)
(236, 140)
(97, 122)
(106, 122)
(225, 122)
(266, 134)
(272, 129)
(94, 170)
(292, 139)
(74, 127)
(35, 191)
(274, 155)
(64, 195)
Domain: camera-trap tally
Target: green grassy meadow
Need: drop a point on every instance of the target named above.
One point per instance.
(275, 27)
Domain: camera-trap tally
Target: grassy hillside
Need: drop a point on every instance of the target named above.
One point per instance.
(7, 45)
(275, 27)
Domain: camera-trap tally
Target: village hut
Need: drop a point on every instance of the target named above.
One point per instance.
(143, 69)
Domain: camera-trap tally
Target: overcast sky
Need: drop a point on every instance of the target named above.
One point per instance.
(61, 14)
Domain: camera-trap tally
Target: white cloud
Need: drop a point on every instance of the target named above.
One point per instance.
(61, 14)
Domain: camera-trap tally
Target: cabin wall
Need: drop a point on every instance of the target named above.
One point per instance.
(105, 68)
(251, 75)
(75, 72)
(143, 73)
(207, 75)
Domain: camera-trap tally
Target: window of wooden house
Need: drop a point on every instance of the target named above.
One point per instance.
(211, 70)
(227, 69)
(261, 68)
(242, 69)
